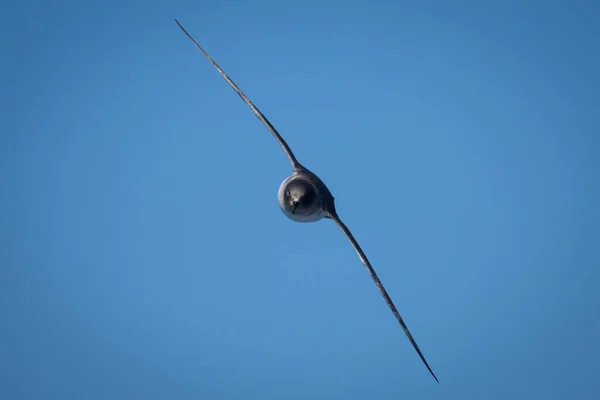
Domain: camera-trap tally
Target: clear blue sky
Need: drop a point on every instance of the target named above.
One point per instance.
(144, 256)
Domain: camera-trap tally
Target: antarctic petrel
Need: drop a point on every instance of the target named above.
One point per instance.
(303, 197)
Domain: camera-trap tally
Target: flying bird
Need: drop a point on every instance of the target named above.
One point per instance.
(303, 197)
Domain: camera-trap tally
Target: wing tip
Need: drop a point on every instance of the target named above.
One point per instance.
(431, 372)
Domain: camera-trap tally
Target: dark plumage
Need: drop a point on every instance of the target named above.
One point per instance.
(303, 197)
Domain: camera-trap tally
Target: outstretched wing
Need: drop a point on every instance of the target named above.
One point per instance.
(387, 298)
(295, 164)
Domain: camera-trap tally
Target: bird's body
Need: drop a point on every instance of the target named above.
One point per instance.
(304, 197)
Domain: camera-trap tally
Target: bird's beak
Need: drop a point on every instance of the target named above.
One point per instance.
(296, 204)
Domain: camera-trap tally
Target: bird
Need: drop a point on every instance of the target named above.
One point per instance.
(304, 197)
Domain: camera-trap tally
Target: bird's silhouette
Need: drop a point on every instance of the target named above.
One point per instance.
(303, 197)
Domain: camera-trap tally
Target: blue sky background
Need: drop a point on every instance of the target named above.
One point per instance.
(142, 251)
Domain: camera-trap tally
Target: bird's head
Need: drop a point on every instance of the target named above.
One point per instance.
(300, 199)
